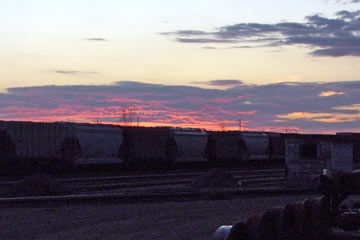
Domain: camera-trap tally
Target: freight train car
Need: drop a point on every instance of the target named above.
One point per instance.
(257, 145)
(98, 144)
(27, 147)
(190, 147)
(31, 145)
(61, 146)
(276, 146)
(235, 148)
(162, 147)
(226, 148)
(147, 147)
(276, 149)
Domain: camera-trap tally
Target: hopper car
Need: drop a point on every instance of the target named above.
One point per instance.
(146, 147)
(26, 147)
(235, 148)
(162, 147)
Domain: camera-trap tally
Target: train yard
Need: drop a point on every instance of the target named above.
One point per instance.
(145, 211)
(176, 179)
(54, 166)
(173, 185)
(158, 187)
(54, 148)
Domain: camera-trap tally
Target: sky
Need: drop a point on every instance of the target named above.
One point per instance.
(275, 65)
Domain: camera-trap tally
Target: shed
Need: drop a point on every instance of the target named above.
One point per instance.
(307, 155)
(356, 141)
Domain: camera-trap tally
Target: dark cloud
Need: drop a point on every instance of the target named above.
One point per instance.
(72, 72)
(186, 33)
(348, 1)
(204, 40)
(348, 15)
(333, 37)
(242, 47)
(338, 52)
(309, 107)
(96, 39)
(222, 83)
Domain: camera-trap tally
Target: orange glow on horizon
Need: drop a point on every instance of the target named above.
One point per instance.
(187, 108)
(209, 126)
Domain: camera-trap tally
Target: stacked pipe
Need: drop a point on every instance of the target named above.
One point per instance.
(305, 220)
(312, 219)
(339, 185)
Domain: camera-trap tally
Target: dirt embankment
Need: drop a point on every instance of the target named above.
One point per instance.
(36, 185)
(191, 220)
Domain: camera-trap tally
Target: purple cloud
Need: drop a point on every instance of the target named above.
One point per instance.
(73, 72)
(308, 107)
(222, 83)
(96, 39)
(333, 37)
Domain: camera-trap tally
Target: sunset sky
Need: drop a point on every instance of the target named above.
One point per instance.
(276, 65)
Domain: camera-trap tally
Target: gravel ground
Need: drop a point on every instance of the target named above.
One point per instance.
(155, 221)
(150, 221)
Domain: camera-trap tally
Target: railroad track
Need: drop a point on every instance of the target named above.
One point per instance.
(153, 195)
(159, 187)
(248, 178)
(114, 186)
(172, 180)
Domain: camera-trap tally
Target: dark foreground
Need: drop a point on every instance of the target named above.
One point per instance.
(195, 220)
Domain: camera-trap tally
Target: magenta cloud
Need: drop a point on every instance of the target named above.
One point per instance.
(308, 107)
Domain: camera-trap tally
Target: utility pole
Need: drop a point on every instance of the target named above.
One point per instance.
(240, 125)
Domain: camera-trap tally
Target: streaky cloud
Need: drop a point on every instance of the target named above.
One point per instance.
(330, 93)
(96, 39)
(73, 72)
(348, 1)
(326, 37)
(222, 83)
(272, 107)
(204, 40)
(186, 33)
